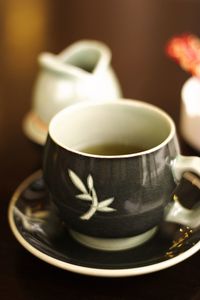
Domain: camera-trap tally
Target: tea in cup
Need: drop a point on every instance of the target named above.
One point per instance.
(111, 167)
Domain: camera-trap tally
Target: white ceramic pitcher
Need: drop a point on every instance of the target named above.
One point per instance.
(81, 72)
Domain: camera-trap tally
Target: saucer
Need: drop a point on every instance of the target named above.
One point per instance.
(34, 128)
(36, 226)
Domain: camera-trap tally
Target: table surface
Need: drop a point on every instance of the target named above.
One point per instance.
(137, 32)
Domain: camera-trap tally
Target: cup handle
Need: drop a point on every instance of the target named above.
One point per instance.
(175, 212)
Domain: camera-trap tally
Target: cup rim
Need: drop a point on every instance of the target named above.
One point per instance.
(120, 101)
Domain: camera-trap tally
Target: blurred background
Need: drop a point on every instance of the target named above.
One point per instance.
(135, 30)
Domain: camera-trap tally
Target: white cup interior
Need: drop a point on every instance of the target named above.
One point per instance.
(123, 121)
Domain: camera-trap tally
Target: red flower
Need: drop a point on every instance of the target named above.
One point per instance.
(185, 50)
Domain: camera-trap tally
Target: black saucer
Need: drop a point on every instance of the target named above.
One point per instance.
(35, 224)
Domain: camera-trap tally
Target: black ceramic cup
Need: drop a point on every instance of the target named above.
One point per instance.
(115, 200)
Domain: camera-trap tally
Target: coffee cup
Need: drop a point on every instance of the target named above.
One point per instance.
(111, 168)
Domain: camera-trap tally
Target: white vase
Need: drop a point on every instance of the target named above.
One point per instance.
(80, 73)
(190, 112)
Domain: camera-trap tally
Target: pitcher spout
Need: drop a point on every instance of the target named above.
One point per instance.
(52, 63)
(89, 55)
(83, 58)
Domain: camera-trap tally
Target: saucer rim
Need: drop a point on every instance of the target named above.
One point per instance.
(29, 128)
(125, 272)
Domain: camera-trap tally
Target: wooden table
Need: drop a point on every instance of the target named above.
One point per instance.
(136, 31)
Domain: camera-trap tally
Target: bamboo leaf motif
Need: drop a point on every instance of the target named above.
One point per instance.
(89, 213)
(90, 182)
(94, 198)
(90, 195)
(105, 202)
(86, 197)
(77, 182)
(106, 209)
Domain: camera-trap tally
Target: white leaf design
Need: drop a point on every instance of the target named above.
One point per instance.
(106, 209)
(86, 197)
(89, 213)
(94, 198)
(90, 195)
(77, 182)
(90, 182)
(105, 203)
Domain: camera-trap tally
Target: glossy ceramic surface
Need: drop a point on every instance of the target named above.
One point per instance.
(35, 224)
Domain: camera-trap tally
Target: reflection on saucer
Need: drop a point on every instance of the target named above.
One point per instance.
(34, 221)
(179, 241)
(34, 128)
